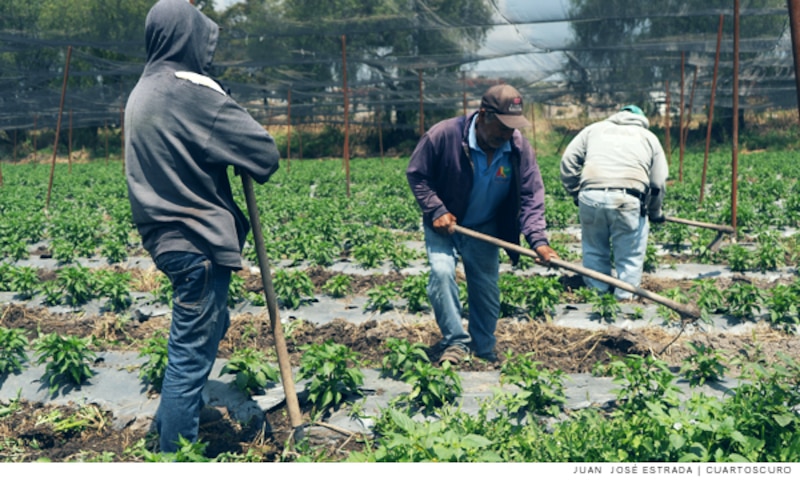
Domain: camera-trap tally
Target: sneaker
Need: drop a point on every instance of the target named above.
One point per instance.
(454, 354)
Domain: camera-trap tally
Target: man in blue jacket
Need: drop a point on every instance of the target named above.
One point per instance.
(477, 171)
(182, 133)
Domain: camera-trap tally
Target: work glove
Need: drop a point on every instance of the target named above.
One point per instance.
(658, 219)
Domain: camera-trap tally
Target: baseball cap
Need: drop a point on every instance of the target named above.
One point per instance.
(506, 103)
(632, 109)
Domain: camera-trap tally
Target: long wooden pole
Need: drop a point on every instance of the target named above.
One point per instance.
(284, 363)
(684, 310)
(710, 119)
(58, 127)
(694, 223)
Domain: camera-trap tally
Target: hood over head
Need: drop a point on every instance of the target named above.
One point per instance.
(179, 37)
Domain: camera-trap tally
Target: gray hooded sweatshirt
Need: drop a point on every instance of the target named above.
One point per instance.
(182, 132)
(618, 152)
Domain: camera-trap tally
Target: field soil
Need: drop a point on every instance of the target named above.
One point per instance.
(572, 350)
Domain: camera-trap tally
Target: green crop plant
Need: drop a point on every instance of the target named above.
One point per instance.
(63, 250)
(163, 290)
(512, 294)
(770, 253)
(13, 346)
(643, 380)
(403, 440)
(236, 290)
(739, 258)
(677, 234)
(293, 287)
(251, 369)
(154, 368)
(668, 314)
(116, 287)
(67, 359)
(414, 290)
(651, 259)
(542, 295)
(782, 304)
(463, 298)
(381, 297)
(700, 247)
(338, 286)
(586, 294)
(744, 300)
(114, 249)
(704, 365)
(541, 391)
(77, 282)
(25, 281)
(334, 374)
(431, 387)
(5, 276)
(369, 255)
(14, 405)
(402, 356)
(51, 293)
(708, 297)
(606, 306)
(400, 255)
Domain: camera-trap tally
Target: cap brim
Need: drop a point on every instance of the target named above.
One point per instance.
(514, 121)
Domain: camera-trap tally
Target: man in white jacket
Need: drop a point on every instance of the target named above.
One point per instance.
(616, 172)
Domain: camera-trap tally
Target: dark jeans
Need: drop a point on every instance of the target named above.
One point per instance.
(200, 319)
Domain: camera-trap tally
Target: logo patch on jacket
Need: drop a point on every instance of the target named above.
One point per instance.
(502, 172)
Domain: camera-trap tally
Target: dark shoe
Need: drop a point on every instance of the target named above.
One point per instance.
(454, 354)
(209, 414)
(490, 357)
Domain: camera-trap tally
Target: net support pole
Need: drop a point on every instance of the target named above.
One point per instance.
(667, 115)
(710, 119)
(794, 22)
(288, 129)
(735, 139)
(69, 142)
(689, 110)
(58, 127)
(680, 121)
(421, 105)
(346, 154)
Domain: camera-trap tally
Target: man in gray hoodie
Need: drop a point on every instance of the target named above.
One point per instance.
(616, 172)
(182, 133)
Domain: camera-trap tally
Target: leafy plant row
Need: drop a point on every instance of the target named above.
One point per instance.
(308, 216)
(525, 422)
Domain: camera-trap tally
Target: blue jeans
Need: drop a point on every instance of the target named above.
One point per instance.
(482, 269)
(200, 319)
(611, 219)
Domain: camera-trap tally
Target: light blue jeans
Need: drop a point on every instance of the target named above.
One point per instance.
(200, 319)
(611, 221)
(482, 269)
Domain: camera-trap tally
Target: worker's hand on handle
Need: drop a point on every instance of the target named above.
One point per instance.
(545, 254)
(445, 224)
